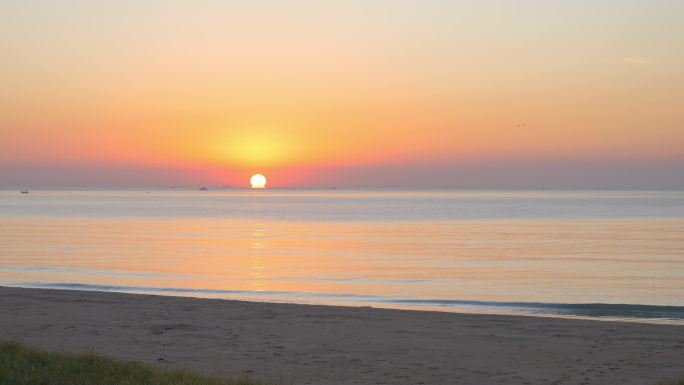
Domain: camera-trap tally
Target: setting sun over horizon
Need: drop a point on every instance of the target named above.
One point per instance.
(257, 181)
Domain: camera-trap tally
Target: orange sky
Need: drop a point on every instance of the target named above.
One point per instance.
(226, 89)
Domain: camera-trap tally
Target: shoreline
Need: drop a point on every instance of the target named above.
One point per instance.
(321, 344)
(606, 312)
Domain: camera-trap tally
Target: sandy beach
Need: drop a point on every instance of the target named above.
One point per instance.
(326, 345)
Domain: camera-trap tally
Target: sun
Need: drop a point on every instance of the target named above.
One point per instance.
(258, 181)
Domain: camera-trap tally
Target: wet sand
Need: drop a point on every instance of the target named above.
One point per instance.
(327, 345)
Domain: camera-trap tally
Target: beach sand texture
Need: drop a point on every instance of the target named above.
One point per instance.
(326, 345)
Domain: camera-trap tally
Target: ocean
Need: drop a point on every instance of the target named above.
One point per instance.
(610, 255)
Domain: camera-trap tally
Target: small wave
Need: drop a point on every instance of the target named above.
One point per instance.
(147, 289)
(577, 309)
(589, 310)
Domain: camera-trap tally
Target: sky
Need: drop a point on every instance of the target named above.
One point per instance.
(429, 93)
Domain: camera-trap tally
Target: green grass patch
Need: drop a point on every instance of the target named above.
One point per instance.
(21, 365)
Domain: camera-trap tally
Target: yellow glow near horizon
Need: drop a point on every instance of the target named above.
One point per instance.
(255, 147)
(258, 181)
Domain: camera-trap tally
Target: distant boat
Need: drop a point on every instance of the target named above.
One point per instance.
(24, 191)
(204, 188)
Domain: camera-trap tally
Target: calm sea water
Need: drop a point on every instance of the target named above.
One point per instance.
(608, 254)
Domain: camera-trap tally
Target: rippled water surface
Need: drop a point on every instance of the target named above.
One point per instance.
(615, 254)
